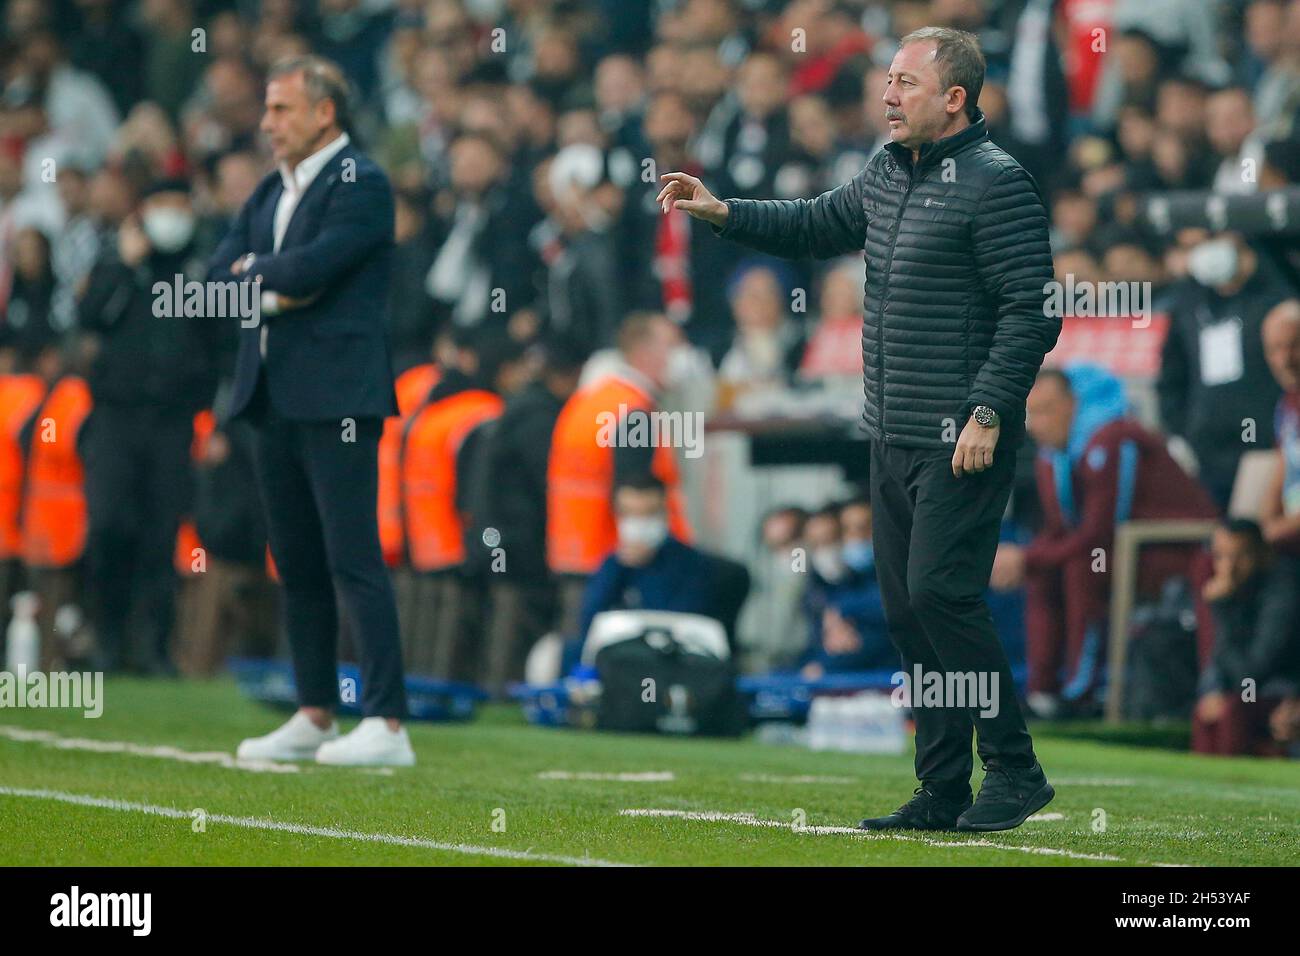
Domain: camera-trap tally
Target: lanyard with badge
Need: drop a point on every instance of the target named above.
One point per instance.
(1222, 359)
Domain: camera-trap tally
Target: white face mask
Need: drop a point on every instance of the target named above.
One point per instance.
(168, 229)
(829, 563)
(1213, 263)
(647, 532)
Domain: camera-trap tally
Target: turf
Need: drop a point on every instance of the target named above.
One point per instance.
(1159, 807)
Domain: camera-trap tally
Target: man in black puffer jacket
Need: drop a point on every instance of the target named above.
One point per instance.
(954, 234)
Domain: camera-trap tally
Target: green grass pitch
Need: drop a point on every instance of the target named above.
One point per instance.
(498, 792)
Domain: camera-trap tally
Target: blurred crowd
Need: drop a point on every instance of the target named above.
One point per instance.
(524, 139)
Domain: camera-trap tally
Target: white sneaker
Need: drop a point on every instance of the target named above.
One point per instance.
(1043, 706)
(370, 744)
(297, 739)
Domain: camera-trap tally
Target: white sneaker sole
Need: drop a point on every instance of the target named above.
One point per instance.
(277, 753)
(399, 759)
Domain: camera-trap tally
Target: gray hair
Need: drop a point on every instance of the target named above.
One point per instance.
(323, 79)
(958, 57)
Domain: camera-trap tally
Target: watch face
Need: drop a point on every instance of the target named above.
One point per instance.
(983, 414)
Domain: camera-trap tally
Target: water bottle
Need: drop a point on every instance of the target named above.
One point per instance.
(23, 638)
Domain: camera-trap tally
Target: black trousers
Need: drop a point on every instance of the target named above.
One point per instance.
(935, 537)
(139, 482)
(319, 491)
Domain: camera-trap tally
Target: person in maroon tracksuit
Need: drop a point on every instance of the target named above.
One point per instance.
(1096, 468)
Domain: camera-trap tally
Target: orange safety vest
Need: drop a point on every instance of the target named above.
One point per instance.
(581, 530)
(54, 517)
(187, 535)
(434, 530)
(412, 387)
(20, 395)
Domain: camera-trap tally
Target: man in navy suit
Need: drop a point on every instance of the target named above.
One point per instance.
(314, 376)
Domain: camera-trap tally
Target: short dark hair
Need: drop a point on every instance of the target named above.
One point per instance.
(959, 59)
(323, 79)
(641, 481)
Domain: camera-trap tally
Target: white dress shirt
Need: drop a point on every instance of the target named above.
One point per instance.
(296, 182)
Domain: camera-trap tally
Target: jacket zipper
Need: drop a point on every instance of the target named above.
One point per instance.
(884, 305)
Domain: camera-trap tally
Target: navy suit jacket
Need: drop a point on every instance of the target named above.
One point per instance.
(330, 359)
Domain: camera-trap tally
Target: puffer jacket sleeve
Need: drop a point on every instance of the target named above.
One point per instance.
(1014, 260)
(830, 225)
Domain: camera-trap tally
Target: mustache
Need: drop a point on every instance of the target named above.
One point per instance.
(891, 113)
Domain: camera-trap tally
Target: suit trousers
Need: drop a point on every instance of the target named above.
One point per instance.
(935, 536)
(320, 483)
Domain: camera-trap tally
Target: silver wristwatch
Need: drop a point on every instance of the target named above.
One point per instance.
(985, 416)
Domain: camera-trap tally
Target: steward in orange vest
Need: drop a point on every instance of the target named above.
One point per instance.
(592, 447)
(440, 459)
(20, 396)
(581, 529)
(434, 530)
(54, 520)
(413, 387)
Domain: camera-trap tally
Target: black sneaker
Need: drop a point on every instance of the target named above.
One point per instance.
(1008, 796)
(925, 811)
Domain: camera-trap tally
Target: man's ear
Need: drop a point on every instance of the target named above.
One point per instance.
(326, 111)
(956, 100)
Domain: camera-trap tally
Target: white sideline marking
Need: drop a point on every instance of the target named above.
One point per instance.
(648, 776)
(748, 819)
(1042, 817)
(773, 778)
(333, 833)
(215, 757)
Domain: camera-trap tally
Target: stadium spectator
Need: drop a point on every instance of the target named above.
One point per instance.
(411, 310)
(1214, 386)
(512, 502)
(1255, 600)
(846, 616)
(1280, 511)
(773, 625)
(31, 322)
(149, 376)
(583, 298)
(833, 355)
(481, 227)
(1096, 469)
(650, 569)
(768, 344)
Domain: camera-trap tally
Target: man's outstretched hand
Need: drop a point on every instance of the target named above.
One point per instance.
(687, 193)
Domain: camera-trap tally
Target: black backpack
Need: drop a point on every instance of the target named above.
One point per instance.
(652, 684)
(1162, 666)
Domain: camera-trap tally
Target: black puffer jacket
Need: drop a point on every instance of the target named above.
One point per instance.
(957, 264)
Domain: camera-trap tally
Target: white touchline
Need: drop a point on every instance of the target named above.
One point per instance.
(749, 820)
(332, 833)
(773, 778)
(647, 776)
(215, 757)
